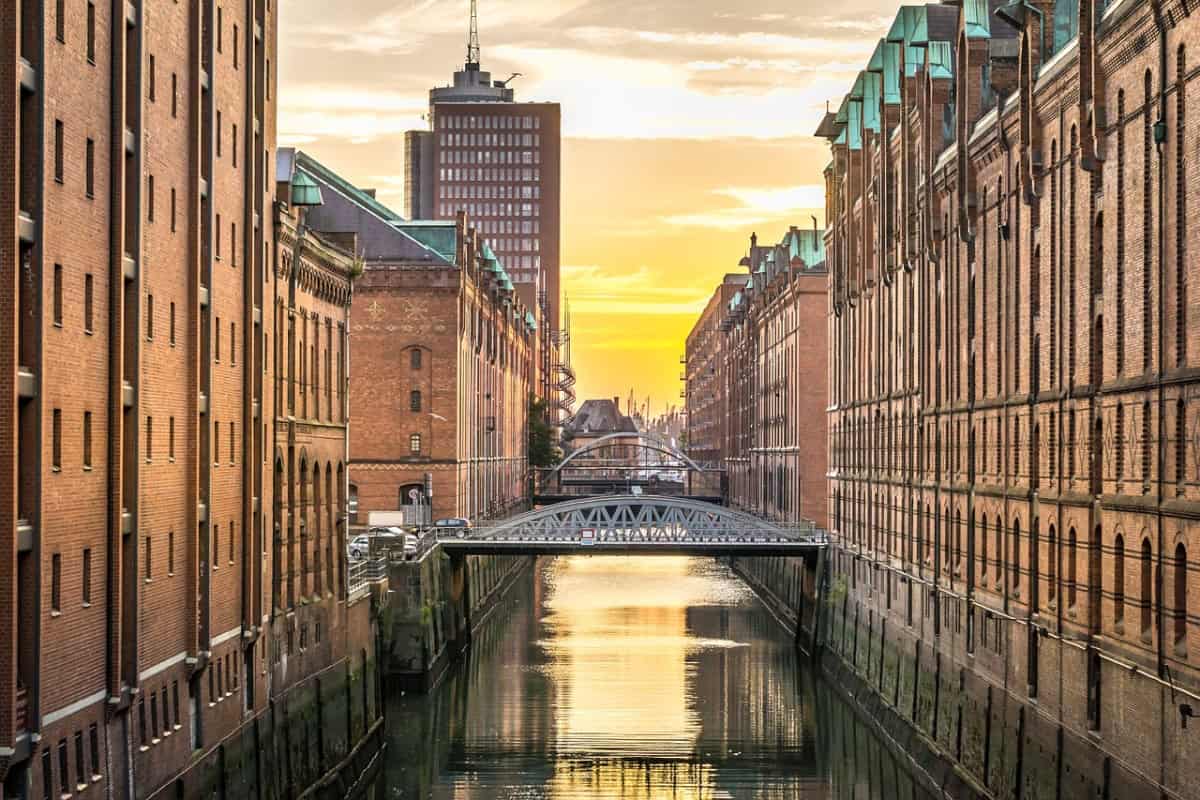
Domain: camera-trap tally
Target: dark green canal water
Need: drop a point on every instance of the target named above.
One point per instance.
(635, 678)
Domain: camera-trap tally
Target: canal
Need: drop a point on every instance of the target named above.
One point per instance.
(656, 677)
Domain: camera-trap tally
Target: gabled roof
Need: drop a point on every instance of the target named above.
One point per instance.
(325, 175)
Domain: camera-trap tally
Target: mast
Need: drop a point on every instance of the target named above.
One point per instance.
(473, 39)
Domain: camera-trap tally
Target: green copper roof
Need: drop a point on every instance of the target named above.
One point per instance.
(808, 244)
(891, 72)
(977, 22)
(856, 91)
(854, 129)
(843, 110)
(871, 99)
(941, 60)
(530, 321)
(909, 25)
(441, 237)
(305, 191)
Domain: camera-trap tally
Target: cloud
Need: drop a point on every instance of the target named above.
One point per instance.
(755, 205)
(592, 289)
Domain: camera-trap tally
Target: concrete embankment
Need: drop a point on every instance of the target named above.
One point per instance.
(962, 734)
(436, 603)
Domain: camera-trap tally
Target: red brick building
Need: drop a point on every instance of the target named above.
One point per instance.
(756, 369)
(775, 370)
(704, 371)
(1013, 425)
(137, 234)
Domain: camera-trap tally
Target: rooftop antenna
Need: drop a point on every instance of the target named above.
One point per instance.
(473, 39)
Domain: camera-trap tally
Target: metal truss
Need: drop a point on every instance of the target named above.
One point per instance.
(643, 523)
(645, 441)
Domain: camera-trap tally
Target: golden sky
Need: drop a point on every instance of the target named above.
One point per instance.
(687, 124)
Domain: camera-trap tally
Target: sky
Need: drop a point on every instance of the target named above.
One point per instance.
(687, 125)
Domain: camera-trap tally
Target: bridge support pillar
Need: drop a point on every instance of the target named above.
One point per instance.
(460, 598)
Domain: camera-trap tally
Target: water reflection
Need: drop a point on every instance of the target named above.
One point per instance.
(640, 678)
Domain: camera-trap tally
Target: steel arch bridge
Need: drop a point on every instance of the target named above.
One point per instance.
(636, 524)
(645, 441)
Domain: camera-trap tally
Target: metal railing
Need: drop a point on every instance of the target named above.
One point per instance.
(365, 571)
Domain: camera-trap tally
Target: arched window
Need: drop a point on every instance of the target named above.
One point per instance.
(414, 358)
(1052, 566)
(414, 444)
(1072, 570)
(414, 399)
(1147, 587)
(983, 550)
(1181, 588)
(999, 550)
(1016, 554)
(1119, 580)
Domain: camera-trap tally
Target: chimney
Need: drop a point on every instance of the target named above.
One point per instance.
(753, 241)
(369, 193)
(617, 404)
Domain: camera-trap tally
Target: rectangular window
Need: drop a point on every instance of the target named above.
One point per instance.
(150, 317)
(154, 729)
(218, 238)
(233, 343)
(148, 567)
(56, 583)
(217, 343)
(232, 448)
(145, 742)
(60, 20)
(174, 95)
(94, 741)
(414, 400)
(58, 150)
(414, 444)
(64, 777)
(89, 169)
(233, 140)
(233, 248)
(47, 775)
(172, 331)
(150, 198)
(216, 443)
(56, 440)
(87, 576)
(149, 439)
(220, 28)
(91, 32)
(170, 438)
(87, 302)
(80, 778)
(87, 440)
(219, 137)
(170, 553)
(58, 295)
(175, 702)
(415, 358)
(172, 209)
(232, 537)
(235, 46)
(151, 70)
(166, 709)
(216, 542)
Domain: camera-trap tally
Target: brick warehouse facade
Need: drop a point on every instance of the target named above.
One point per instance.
(140, 650)
(763, 355)
(1013, 414)
(704, 373)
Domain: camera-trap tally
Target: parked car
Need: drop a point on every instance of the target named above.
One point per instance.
(360, 546)
(453, 525)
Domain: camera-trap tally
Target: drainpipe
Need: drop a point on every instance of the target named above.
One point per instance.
(1160, 138)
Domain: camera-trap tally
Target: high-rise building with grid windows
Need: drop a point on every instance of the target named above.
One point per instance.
(499, 161)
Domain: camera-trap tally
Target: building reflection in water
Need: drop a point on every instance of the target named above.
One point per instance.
(634, 678)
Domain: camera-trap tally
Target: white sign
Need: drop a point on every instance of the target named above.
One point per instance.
(414, 495)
